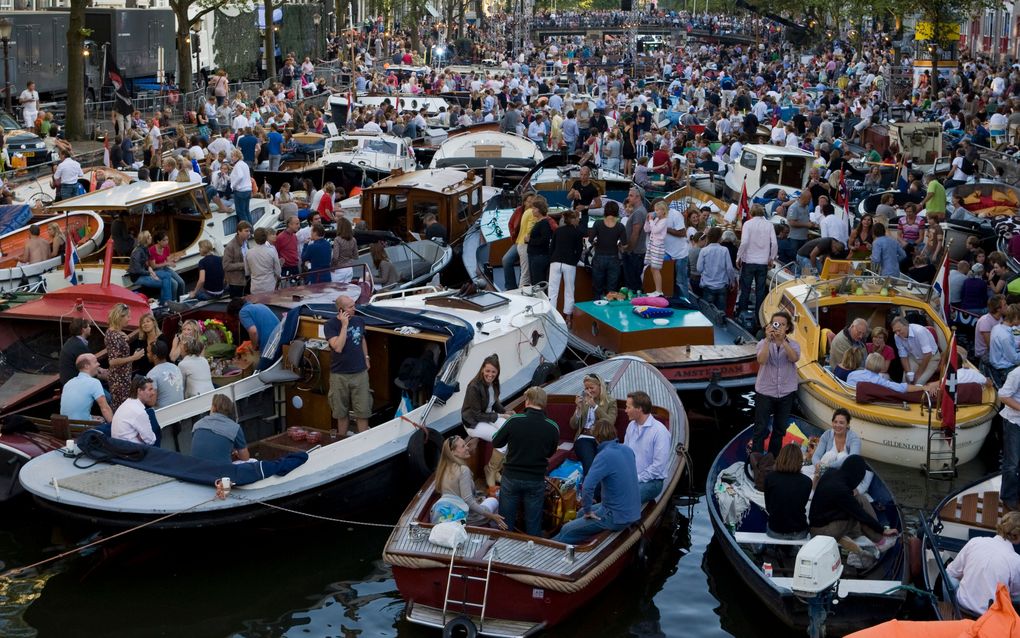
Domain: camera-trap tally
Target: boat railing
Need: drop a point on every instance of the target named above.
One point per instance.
(407, 292)
(312, 276)
(929, 540)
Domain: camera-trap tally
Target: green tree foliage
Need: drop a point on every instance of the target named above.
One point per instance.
(237, 44)
(297, 33)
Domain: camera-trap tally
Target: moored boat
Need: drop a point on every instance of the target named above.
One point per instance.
(511, 157)
(865, 595)
(510, 584)
(83, 229)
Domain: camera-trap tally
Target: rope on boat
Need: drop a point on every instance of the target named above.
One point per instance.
(17, 571)
(908, 588)
(320, 517)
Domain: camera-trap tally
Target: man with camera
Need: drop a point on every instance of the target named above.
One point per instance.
(776, 385)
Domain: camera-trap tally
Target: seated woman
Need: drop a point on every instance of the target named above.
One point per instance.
(837, 444)
(453, 476)
(386, 274)
(880, 343)
(593, 404)
(838, 510)
(984, 562)
(851, 361)
(483, 414)
(194, 367)
(786, 496)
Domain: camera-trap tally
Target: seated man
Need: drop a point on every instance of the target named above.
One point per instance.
(82, 391)
(849, 338)
(131, 421)
(615, 472)
(918, 350)
(218, 437)
(649, 439)
(986, 561)
(872, 373)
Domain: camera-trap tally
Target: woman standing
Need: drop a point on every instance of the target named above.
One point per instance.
(345, 251)
(629, 147)
(655, 251)
(119, 355)
(148, 334)
(538, 242)
(863, 236)
(453, 476)
(608, 237)
(567, 246)
(776, 385)
(593, 405)
(483, 414)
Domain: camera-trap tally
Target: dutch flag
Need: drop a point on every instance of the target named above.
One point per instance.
(70, 262)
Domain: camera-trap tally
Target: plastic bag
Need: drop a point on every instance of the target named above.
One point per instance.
(450, 534)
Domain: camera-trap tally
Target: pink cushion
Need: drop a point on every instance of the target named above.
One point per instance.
(657, 302)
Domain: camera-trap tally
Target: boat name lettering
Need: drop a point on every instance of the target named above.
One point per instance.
(900, 444)
(538, 593)
(734, 369)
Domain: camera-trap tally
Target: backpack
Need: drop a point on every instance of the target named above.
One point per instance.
(968, 167)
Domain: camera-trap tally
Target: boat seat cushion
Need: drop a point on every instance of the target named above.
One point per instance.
(874, 393)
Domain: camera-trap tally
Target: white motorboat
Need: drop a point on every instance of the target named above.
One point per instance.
(509, 155)
(374, 154)
(385, 462)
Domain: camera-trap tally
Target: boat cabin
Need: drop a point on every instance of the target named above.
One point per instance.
(762, 164)
(369, 150)
(400, 202)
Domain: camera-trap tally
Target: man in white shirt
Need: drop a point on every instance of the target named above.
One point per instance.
(650, 441)
(240, 185)
(155, 137)
(29, 100)
(131, 421)
(833, 225)
(754, 257)
(985, 562)
(678, 247)
(240, 121)
(220, 144)
(67, 174)
(917, 349)
(536, 131)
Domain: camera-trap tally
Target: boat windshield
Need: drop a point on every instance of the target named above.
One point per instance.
(867, 284)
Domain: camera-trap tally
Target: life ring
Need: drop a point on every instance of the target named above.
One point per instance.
(460, 627)
(716, 396)
(423, 450)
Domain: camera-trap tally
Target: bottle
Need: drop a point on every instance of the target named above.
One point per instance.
(767, 568)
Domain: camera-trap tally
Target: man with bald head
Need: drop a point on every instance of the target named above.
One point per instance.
(849, 338)
(349, 363)
(84, 390)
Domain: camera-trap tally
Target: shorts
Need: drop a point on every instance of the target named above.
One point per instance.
(350, 393)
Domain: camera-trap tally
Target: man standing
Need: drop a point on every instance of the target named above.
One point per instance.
(263, 264)
(257, 320)
(615, 472)
(678, 247)
(317, 255)
(649, 439)
(886, 252)
(287, 248)
(75, 346)
(531, 438)
(798, 218)
(84, 390)
(754, 256)
(934, 200)
(1003, 356)
(240, 186)
(776, 385)
(29, 100)
(349, 389)
(634, 254)
(585, 195)
(131, 422)
(570, 133)
(218, 437)
(918, 351)
(66, 175)
(166, 377)
(274, 144)
(234, 265)
(716, 269)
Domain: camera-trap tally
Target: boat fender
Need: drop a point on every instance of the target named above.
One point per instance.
(914, 556)
(544, 373)
(641, 554)
(423, 450)
(460, 627)
(716, 396)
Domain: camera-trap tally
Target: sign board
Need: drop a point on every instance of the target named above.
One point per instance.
(926, 31)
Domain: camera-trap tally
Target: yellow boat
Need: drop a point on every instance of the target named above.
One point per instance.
(890, 432)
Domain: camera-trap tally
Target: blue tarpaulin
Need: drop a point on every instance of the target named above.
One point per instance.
(14, 217)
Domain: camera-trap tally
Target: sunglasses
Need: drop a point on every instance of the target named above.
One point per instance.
(453, 441)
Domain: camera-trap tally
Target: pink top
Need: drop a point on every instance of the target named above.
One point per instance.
(886, 352)
(656, 229)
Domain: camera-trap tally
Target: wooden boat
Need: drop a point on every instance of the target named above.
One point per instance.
(289, 388)
(511, 157)
(511, 584)
(84, 228)
(895, 432)
(178, 208)
(864, 595)
(971, 511)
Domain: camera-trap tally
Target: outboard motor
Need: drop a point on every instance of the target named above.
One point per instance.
(816, 580)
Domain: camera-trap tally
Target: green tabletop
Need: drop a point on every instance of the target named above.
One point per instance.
(620, 315)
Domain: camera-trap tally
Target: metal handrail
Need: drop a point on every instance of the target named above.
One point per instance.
(928, 538)
(400, 294)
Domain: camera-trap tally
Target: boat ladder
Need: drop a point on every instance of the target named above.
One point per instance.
(466, 580)
(941, 454)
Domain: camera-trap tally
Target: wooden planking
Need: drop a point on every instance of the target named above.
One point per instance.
(990, 509)
(978, 510)
(968, 507)
(700, 354)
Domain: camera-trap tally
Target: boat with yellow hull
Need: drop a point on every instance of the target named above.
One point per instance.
(894, 433)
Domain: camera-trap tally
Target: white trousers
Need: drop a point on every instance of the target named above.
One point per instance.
(566, 272)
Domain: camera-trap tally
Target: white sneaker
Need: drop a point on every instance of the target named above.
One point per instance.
(886, 543)
(655, 294)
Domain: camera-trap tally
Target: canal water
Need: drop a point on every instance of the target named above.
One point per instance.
(303, 578)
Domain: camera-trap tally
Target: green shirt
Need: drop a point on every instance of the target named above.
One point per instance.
(873, 156)
(937, 203)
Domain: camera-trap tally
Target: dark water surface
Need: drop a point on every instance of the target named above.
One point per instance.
(328, 579)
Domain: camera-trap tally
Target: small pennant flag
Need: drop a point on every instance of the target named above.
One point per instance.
(744, 209)
(70, 262)
(948, 390)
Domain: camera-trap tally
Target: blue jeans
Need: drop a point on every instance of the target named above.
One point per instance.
(571, 146)
(752, 274)
(633, 264)
(585, 449)
(582, 529)
(649, 490)
(512, 494)
(682, 277)
(510, 259)
(165, 286)
(778, 408)
(242, 205)
(1009, 492)
(175, 280)
(67, 191)
(605, 274)
(715, 296)
(202, 295)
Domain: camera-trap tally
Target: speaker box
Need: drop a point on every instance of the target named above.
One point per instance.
(626, 5)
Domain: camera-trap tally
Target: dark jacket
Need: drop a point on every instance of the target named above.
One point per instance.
(786, 497)
(532, 438)
(69, 353)
(476, 399)
(567, 245)
(834, 498)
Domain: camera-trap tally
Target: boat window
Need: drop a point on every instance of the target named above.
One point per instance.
(341, 145)
(478, 302)
(749, 160)
(381, 146)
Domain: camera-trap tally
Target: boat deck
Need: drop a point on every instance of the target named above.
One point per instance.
(977, 509)
(696, 353)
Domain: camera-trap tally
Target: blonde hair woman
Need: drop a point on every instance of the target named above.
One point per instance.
(119, 355)
(57, 239)
(148, 333)
(593, 404)
(453, 476)
(189, 330)
(195, 368)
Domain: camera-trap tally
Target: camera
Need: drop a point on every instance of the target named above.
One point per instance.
(775, 325)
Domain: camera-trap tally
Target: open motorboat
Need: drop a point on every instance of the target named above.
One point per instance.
(288, 389)
(762, 164)
(178, 208)
(416, 262)
(739, 518)
(894, 428)
(84, 229)
(511, 157)
(511, 584)
(367, 155)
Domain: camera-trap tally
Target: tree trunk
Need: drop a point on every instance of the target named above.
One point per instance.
(462, 22)
(184, 77)
(74, 118)
(270, 41)
(415, 18)
(479, 15)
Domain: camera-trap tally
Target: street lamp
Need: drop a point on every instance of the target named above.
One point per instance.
(316, 20)
(6, 28)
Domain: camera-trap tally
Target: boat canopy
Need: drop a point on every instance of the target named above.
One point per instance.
(127, 196)
(14, 217)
